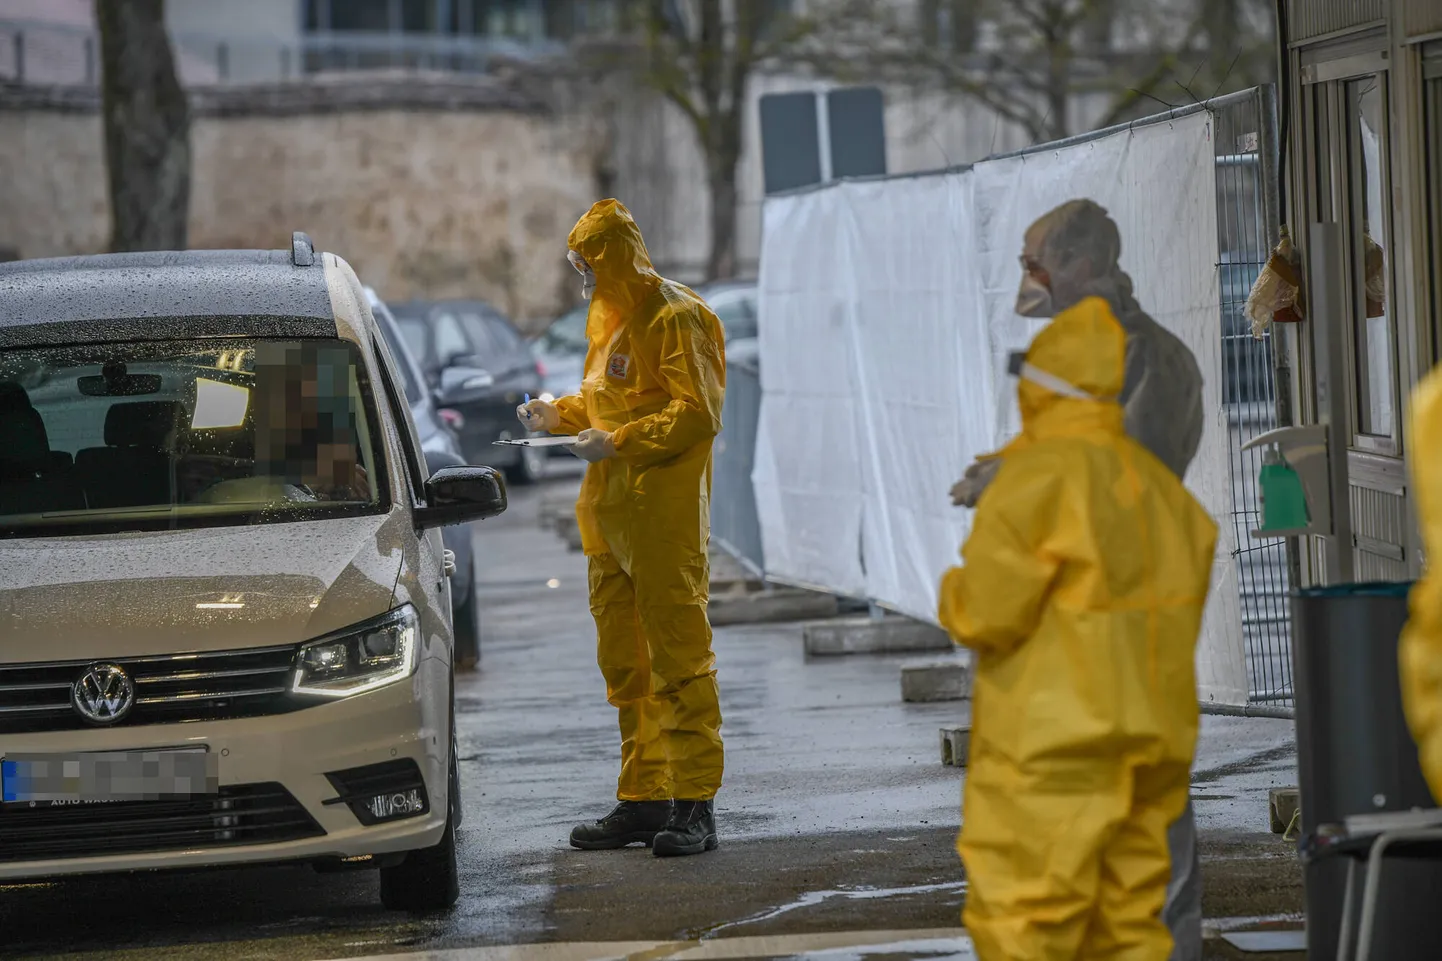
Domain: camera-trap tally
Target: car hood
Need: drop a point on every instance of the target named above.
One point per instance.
(129, 595)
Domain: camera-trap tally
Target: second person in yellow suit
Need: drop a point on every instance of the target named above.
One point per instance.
(648, 410)
(1420, 653)
(1081, 593)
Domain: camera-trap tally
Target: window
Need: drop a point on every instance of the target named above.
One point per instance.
(410, 448)
(1375, 333)
(183, 434)
(568, 334)
(488, 349)
(418, 339)
(1433, 137)
(451, 343)
(408, 376)
(360, 15)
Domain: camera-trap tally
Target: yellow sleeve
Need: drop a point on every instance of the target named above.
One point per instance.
(692, 371)
(993, 602)
(1420, 649)
(574, 418)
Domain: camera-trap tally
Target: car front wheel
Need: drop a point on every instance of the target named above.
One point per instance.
(428, 879)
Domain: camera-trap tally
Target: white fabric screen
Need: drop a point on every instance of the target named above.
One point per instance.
(887, 314)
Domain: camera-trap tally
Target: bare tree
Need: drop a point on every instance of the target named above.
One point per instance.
(701, 57)
(1028, 60)
(147, 127)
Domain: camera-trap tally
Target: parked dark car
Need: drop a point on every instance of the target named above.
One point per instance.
(441, 448)
(478, 364)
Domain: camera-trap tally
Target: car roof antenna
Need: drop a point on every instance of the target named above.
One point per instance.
(302, 250)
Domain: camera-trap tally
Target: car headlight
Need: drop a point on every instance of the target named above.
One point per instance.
(361, 658)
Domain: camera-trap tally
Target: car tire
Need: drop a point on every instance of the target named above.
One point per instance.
(429, 879)
(466, 625)
(530, 467)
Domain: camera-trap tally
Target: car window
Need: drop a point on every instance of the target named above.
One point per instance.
(177, 434)
(509, 339)
(568, 334)
(418, 338)
(487, 347)
(450, 341)
(399, 352)
(410, 447)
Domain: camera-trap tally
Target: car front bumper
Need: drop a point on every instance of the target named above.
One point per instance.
(407, 720)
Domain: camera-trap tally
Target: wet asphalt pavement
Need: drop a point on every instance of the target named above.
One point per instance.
(836, 815)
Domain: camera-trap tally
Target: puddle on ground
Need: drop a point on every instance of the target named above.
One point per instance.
(812, 898)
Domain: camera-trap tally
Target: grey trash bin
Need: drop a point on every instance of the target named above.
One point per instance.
(1355, 755)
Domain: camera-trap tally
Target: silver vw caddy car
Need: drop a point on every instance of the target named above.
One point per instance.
(225, 622)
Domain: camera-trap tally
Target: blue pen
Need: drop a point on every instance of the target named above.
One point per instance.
(528, 398)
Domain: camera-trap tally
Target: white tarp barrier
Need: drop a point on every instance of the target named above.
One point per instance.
(888, 311)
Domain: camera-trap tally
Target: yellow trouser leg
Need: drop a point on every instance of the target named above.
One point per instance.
(625, 661)
(1136, 867)
(684, 675)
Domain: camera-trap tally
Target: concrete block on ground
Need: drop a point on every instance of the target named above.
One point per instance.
(955, 746)
(1283, 803)
(759, 607)
(948, 680)
(865, 635)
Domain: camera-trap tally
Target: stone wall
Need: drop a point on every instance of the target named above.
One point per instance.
(431, 188)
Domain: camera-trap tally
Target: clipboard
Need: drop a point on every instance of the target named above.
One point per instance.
(564, 440)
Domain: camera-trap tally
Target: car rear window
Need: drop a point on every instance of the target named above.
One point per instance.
(107, 437)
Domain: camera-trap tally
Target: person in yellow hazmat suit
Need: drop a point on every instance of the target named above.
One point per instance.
(1420, 650)
(1081, 594)
(648, 410)
(1070, 253)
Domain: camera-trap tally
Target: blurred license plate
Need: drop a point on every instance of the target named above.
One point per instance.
(57, 780)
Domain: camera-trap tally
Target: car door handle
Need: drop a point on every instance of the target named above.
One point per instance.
(449, 562)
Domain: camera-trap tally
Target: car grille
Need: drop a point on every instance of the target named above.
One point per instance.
(185, 687)
(240, 814)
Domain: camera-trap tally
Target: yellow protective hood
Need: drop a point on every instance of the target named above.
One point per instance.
(608, 239)
(1084, 346)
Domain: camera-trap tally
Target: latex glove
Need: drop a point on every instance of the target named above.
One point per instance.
(967, 491)
(539, 415)
(593, 445)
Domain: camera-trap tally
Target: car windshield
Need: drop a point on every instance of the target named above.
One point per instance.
(110, 437)
(568, 334)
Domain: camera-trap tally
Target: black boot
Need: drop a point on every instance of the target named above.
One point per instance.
(691, 830)
(632, 822)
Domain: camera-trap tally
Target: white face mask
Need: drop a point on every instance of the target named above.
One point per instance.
(1034, 298)
(588, 276)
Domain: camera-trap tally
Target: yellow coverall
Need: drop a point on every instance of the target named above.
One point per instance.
(1085, 576)
(655, 378)
(1420, 652)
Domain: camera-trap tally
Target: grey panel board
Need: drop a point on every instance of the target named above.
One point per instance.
(856, 117)
(191, 284)
(790, 150)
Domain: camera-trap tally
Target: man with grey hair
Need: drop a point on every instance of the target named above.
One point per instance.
(1070, 254)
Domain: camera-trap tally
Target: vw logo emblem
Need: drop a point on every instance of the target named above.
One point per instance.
(104, 694)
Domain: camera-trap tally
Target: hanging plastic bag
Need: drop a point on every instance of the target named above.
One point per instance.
(1276, 296)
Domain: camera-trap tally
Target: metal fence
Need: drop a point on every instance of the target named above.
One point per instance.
(734, 526)
(1245, 135)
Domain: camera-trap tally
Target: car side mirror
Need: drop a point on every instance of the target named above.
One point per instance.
(455, 495)
(460, 384)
